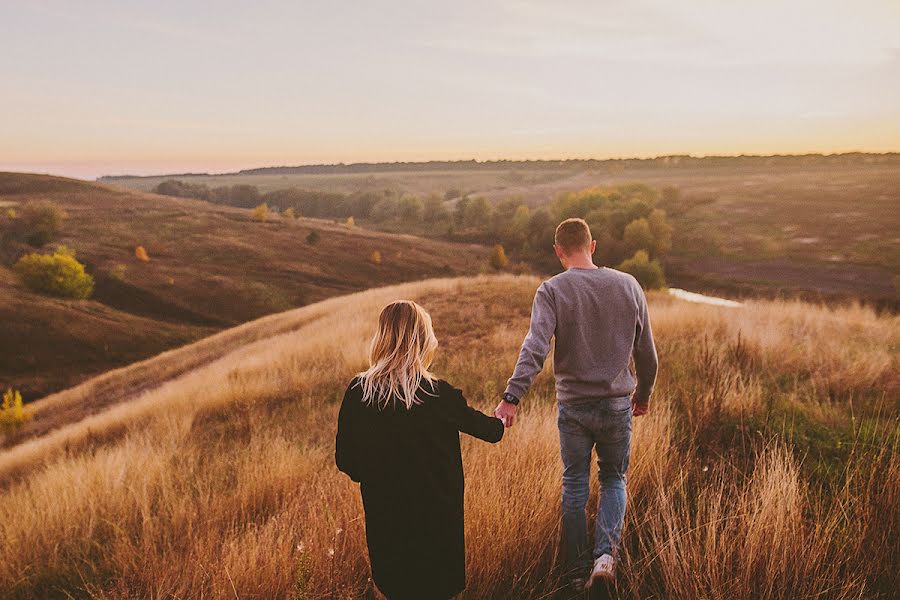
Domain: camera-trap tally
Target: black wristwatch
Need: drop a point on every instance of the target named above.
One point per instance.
(507, 397)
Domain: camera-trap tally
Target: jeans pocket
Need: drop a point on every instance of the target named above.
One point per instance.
(619, 404)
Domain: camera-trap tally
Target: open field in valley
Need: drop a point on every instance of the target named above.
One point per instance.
(813, 228)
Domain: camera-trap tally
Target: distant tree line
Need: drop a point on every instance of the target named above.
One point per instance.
(671, 161)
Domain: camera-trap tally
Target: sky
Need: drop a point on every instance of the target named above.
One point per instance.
(138, 86)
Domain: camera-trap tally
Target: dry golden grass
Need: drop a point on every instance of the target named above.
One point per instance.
(767, 468)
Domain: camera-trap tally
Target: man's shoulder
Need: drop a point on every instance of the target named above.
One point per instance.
(625, 278)
(607, 275)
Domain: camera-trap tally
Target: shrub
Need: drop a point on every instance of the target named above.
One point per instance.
(313, 237)
(261, 212)
(183, 189)
(39, 222)
(386, 209)
(58, 274)
(477, 213)
(410, 209)
(649, 273)
(118, 272)
(499, 261)
(376, 257)
(638, 236)
(12, 410)
(433, 210)
(244, 195)
(662, 232)
(289, 213)
(141, 254)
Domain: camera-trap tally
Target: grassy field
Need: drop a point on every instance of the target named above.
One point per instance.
(767, 468)
(210, 267)
(828, 230)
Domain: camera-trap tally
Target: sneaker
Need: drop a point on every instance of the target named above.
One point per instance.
(604, 568)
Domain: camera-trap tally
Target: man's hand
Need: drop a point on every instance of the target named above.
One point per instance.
(639, 409)
(506, 412)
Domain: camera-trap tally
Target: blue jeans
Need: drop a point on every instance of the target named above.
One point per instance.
(606, 425)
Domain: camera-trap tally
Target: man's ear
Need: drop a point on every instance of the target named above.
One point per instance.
(559, 251)
(593, 246)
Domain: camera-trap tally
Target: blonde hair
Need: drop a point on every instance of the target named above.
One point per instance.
(572, 234)
(399, 356)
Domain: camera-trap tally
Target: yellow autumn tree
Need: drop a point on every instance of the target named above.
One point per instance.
(376, 257)
(12, 410)
(350, 222)
(141, 254)
(289, 213)
(498, 258)
(261, 212)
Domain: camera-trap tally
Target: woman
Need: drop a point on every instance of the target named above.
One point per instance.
(398, 436)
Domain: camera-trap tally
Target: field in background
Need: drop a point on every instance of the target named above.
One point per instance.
(210, 267)
(828, 229)
(767, 468)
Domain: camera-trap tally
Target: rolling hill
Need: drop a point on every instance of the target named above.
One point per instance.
(210, 267)
(767, 468)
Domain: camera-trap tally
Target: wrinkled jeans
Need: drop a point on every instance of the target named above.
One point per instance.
(604, 424)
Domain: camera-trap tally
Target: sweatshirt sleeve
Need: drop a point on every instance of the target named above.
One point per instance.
(645, 359)
(536, 345)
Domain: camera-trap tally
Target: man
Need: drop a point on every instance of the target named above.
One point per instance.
(599, 317)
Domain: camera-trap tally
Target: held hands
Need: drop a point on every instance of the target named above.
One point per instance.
(506, 412)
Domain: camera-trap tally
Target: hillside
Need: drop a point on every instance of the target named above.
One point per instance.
(767, 468)
(210, 267)
(816, 226)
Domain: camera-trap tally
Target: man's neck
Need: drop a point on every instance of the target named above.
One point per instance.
(580, 262)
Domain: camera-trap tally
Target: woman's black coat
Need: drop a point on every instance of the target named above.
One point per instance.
(409, 467)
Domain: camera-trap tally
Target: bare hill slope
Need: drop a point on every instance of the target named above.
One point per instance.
(210, 267)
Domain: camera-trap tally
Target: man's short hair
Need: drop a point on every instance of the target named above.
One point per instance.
(572, 235)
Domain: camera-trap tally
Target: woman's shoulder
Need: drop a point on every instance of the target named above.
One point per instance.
(445, 390)
(354, 387)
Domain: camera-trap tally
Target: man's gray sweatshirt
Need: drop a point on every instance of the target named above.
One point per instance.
(599, 317)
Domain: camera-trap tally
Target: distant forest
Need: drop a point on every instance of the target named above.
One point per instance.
(674, 161)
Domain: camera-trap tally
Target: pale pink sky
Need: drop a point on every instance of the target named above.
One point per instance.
(95, 88)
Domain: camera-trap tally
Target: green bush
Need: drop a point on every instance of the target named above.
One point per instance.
(57, 274)
(649, 273)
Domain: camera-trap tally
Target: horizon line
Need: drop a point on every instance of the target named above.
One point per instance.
(460, 161)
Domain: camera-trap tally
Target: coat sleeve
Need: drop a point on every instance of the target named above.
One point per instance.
(469, 420)
(348, 445)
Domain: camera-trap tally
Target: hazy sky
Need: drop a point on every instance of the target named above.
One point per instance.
(93, 87)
